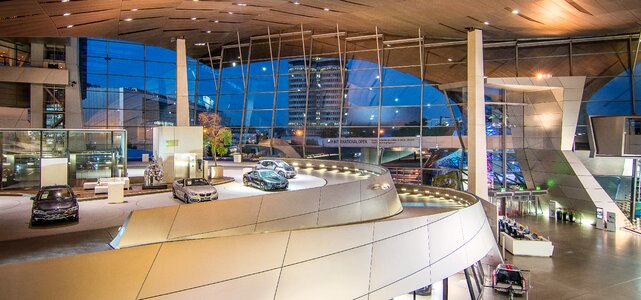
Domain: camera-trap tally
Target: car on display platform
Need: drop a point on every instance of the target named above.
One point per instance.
(191, 190)
(54, 202)
(280, 166)
(509, 279)
(265, 180)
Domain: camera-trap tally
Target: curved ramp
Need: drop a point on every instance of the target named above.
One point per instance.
(370, 260)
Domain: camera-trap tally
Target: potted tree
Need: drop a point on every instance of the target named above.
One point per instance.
(218, 137)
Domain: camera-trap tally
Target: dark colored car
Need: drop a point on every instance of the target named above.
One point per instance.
(55, 202)
(508, 278)
(265, 180)
(192, 190)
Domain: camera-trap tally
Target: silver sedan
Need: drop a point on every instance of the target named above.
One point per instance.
(191, 190)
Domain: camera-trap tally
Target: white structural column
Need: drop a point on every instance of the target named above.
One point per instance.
(182, 94)
(476, 137)
(73, 101)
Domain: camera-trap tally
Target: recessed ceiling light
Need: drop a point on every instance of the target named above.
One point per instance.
(65, 1)
(66, 14)
(230, 12)
(296, 3)
(134, 9)
(199, 44)
(69, 26)
(216, 21)
(129, 19)
(208, 31)
(194, 19)
(242, 4)
(486, 23)
(516, 11)
(449, 59)
(326, 9)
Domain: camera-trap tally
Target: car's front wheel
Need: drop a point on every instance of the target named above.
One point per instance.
(245, 181)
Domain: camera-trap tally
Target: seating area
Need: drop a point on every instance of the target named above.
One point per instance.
(102, 185)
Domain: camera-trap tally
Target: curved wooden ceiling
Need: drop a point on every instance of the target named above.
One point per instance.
(156, 22)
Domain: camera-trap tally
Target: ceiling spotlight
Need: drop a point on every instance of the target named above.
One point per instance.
(128, 19)
(63, 1)
(242, 4)
(66, 14)
(216, 21)
(134, 9)
(326, 9)
(486, 23)
(199, 44)
(516, 11)
(69, 26)
(449, 59)
(230, 12)
(194, 19)
(296, 3)
(208, 31)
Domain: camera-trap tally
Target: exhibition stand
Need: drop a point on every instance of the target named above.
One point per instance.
(539, 247)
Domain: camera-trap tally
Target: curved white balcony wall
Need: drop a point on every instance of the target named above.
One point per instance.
(372, 260)
(370, 197)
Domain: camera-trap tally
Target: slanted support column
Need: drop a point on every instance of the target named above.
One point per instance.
(476, 140)
(182, 94)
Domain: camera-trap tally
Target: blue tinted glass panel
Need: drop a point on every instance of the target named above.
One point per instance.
(362, 97)
(233, 71)
(232, 86)
(127, 82)
(400, 116)
(94, 117)
(162, 70)
(161, 86)
(281, 117)
(192, 71)
(433, 96)
(615, 88)
(126, 67)
(402, 96)
(360, 116)
(402, 76)
(96, 65)
(609, 108)
(96, 47)
(126, 50)
(261, 68)
(260, 101)
(230, 102)
(96, 82)
(206, 103)
(161, 54)
(207, 87)
(362, 78)
(261, 84)
(258, 118)
(94, 99)
(282, 100)
(231, 118)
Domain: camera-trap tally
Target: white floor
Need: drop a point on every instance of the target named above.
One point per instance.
(16, 211)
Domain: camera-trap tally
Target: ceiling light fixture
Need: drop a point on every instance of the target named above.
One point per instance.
(128, 19)
(486, 23)
(134, 9)
(296, 3)
(449, 59)
(66, 14)
(326, 9)
(242, 4)
(69, 26)
(63, 1)
(194, 19)
(516, 11)
(216, 21)
(230, 12)
(199, 44)
(208, 31)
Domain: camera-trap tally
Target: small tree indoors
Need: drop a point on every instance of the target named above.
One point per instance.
(217, 135)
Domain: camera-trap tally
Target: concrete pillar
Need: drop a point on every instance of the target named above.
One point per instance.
(73, 101)
(182, 92)
(476, 136)
(37, 54)
(37, 105)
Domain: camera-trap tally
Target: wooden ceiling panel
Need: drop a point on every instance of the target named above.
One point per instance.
(156, 21)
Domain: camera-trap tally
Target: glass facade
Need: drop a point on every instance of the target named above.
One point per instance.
(370, 98)
(91, 154)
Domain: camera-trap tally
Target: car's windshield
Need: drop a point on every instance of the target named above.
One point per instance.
(48, 195)
(281, 163)
(268, 174)
(196, 181)
(509, 276)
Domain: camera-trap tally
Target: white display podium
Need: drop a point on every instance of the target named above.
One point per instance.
(115, 192)
(527, 247)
